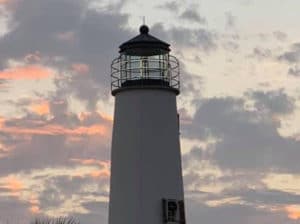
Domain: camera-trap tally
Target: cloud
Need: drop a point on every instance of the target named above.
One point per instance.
(103, 172)
(260, 53)
(37, 127)
(230, 20)
(233, 214)
(97, 211)
(12, 185)
(201, 39)
(54, 142)
(192, 16)
(294, 71)
(232, 46)
(291, 56)
(275, 102)
(293, 212)
(172, 6)
(52, 192)
(3, 85)
(40, 108)
(33, 72)
(267, 197)
(80, 68)
(245, 139)
(56, 130)
(80, 38)
(5, 1)
(13, 210)
(279, 35)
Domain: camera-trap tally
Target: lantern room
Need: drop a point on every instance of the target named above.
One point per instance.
(145, 62)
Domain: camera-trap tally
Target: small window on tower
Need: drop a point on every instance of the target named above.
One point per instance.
(172, 211)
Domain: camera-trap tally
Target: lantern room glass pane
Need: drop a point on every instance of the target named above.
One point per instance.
(144, 67)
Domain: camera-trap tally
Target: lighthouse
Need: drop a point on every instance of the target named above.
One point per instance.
(146, 184)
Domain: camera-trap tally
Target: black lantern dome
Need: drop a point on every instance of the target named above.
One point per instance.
(145, 62)
(144, 44)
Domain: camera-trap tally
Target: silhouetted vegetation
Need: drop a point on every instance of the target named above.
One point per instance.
(59, 220)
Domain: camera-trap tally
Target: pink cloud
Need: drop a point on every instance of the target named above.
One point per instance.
(66, 36)
(85, 116)
(33, 58)
(55, 129)
(34, 209)
(32, 72)
(100, 163)
(90, 124)
(13, 185)
(102, 172)
(4, 1)
(81, 68)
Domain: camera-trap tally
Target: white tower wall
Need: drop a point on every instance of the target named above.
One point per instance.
(146, 160)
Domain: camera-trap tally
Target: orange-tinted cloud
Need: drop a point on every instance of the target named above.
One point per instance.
(41, 108)
(100, 163)
(31, 72)
(100, 174)
(57, 130)
(293, 212)
(106, 116)
(13, 186)
(46, 127)
(103, 172)
(85, 115)
(34, 204)
(4, 1)
(34, 209)
(80, 68)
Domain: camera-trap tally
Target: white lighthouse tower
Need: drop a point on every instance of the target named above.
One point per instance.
(146, 177)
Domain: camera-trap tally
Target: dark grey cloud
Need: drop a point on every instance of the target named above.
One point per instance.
(233, 214)
(274, 102)
(40, 152)
(13, 211)
(51, 150)
(247, 139)
(291, 56)
(200, 38)
(77, 35)
(61, 188)
(294, 71)
(264, 196)
(190, 84)
(36, 24)
(193, 16)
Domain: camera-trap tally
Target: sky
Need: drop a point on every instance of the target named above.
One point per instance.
(239, 105)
